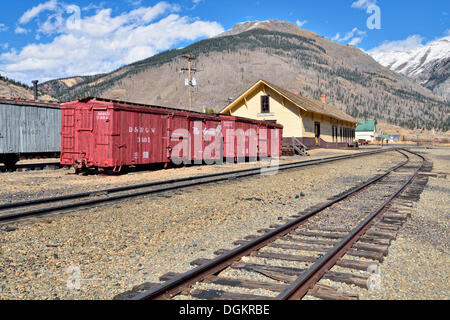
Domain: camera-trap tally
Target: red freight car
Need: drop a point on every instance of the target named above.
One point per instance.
(113, 134)
(252, 139)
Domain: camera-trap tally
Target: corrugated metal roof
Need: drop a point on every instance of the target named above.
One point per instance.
(366, 125)
(29, 103)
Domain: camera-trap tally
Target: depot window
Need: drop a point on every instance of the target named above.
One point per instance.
(265, 107)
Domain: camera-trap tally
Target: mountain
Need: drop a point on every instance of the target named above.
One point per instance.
(60, 86)
(279, 52)
(11, 89)
(269, 25)
(437, 78)
(427, 64)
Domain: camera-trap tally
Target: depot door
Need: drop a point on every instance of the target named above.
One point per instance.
(317, 129)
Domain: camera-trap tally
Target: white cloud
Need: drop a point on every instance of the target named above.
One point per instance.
(102, 42)
(3, 27)
(355, 41)
(300, 23)
(93, 6)
(363, 4)
(20, 30)
(354, 37)
(135, 2)
(195, 3)
(410, 43)
(35, 11)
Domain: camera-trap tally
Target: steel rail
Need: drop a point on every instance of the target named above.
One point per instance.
(31, 166)
(306, 281)
(194, 181)
(179, 283)
(192, 178)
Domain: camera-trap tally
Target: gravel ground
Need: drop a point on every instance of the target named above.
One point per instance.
(344, 215)
(417, 266)
(120, 246)
(17, 186)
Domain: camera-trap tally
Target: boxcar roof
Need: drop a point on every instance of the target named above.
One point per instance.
(31, 103)
(87, 99)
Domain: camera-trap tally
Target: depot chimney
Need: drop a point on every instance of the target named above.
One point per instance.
(324, 98)
(35, 89)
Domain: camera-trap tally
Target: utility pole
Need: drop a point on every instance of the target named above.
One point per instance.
(190, 70)
(381, 137)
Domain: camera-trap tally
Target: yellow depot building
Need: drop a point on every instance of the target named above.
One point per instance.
(313, 123)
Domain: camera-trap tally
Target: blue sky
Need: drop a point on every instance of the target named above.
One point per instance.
(46, 39)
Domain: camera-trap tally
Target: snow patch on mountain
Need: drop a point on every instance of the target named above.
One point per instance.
(410, 57)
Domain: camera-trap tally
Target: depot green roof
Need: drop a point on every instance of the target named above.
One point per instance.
(366, 125)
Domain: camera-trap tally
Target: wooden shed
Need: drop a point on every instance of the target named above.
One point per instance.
(313, 123)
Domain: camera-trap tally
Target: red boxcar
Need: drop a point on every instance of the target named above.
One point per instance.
(250, 138)
(112, 134)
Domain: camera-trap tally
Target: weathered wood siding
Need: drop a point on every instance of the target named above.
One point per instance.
(29, 129)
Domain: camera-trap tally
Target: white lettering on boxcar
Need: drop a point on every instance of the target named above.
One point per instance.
(145, 155)
(140, 131)
(103, 115)
(143, 139)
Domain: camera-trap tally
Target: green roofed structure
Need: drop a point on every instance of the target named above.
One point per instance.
(366, 130)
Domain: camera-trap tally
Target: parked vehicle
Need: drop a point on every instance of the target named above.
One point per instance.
(363, 142)
(28, 129)
(102, 133)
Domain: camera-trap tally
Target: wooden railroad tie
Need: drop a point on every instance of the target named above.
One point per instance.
(288, 275)
(318, 291)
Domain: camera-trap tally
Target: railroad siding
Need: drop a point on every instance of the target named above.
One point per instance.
(29, 129)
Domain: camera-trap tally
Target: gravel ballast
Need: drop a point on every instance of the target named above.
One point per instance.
(418, 264)
(19, 186)
(123, 245)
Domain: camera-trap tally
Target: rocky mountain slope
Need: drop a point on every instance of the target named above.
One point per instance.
(427, 64)
(437, 78)
(11, 89)
(279, 52)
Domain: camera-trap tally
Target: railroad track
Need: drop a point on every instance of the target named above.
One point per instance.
(17, 211)
(343, 240)
(32, 166)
